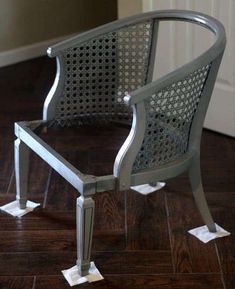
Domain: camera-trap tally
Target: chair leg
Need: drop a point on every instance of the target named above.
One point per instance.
(199, 196)
(85, 218)
(21, 171)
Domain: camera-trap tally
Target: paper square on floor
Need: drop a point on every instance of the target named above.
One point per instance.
(147, 189)
(204, 235)
(73, 278)
(13, 208)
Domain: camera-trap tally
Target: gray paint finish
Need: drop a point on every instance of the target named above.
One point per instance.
(167, 114)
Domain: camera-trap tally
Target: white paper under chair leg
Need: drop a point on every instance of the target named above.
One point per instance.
(204, 235)
(14, 209)
(73, 278)
(146, 189)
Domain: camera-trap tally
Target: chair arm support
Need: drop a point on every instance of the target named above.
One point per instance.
(126, 156)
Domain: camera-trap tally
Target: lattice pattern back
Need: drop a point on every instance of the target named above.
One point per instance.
(99, 72)
(170, 114)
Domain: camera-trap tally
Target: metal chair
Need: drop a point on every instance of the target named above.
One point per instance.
(105, 75)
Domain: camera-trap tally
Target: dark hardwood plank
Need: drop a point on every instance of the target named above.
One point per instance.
(51, 263)
(11, 282)
(147, 227)
(109, 240)
(35, 263)
(77, 147)
(38, 177)
(134, 262)
(178, 184)
(84, 146)
(204, 281)
(109, 211)
(45, 229)
(57, 240)
(38, 240)
(61, 195)
(217, 162)
(217, 165)
(58, 282)
(190, 255)
(223, 209)
(109, 233)
(109, 221)
(39, 219)
(222, 206)
(6, 158)
(226, 247)
(229, 280)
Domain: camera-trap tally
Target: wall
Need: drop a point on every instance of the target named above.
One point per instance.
(129, 7)
(26, 22)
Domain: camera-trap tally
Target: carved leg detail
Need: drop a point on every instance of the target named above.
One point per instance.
(85, 217)
(199, 196)
(21, 171)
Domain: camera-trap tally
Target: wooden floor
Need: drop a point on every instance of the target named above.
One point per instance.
(140, 242)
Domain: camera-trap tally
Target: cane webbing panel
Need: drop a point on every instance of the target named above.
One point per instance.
(100, 72)
(170, 114)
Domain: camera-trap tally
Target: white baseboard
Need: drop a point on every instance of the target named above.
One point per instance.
(28, 52)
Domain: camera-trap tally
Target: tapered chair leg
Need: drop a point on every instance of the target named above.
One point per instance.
(21, 172)
(199, 196)
(85, 218)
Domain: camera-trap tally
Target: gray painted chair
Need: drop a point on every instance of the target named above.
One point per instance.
(106, 74)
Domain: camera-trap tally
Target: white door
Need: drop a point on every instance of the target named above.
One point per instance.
(179, 43)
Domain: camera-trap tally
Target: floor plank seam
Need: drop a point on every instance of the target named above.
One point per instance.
(10, 181)
(135, 274)
(220, 266)
(34, 282)
(125, 218)
(47, 188)
(169, 231)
